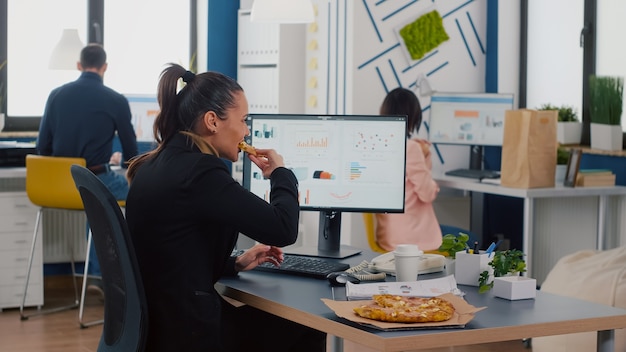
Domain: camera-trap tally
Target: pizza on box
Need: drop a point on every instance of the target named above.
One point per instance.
(402, 309)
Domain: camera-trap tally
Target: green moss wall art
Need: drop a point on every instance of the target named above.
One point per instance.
(424, 34)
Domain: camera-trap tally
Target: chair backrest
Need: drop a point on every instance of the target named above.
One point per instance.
(49, 182)
(125, 307)
(370, 229)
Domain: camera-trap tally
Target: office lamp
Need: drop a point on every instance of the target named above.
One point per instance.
(282, 11)
(67, 51)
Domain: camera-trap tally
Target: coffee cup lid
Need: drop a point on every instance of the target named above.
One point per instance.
(407, 250)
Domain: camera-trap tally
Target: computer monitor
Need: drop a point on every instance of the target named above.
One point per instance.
(343, 163)
(474, 119)
(144, 108)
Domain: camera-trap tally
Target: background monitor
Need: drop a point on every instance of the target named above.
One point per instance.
(144, 108)
(468, 118)
(343, 163)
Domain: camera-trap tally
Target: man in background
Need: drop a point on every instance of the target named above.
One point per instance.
(81, 119)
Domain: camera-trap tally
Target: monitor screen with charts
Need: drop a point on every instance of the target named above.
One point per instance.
(468, 118)
(144, 108)
(343, 163)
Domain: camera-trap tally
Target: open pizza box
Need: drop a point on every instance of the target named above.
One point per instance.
(464, 313)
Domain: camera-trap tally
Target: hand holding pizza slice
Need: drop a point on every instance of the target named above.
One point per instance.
(247, 148)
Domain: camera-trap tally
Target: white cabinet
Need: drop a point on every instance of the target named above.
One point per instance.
(17, 223)
(271, 65)
(270, 68)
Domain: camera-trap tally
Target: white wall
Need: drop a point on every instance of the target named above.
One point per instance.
(354, 56)
(359, 58)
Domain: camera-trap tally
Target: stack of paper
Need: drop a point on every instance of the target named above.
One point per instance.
(595, 178)
(421, 288)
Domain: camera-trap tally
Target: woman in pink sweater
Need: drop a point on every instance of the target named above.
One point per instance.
(418, 224)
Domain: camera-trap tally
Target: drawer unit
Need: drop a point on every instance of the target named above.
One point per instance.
(17, 223)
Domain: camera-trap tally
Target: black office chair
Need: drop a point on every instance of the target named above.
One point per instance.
(125, 307)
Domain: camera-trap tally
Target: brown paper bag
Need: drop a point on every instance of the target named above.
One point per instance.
(529, 149)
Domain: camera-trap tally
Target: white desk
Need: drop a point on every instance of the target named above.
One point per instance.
(530, 195)
(12, 172)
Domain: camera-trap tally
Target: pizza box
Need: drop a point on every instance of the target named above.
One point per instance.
(464, 313)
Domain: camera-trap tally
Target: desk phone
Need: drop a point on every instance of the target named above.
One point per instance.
(429, 263)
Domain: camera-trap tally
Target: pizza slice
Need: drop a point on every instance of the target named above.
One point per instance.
(247, 148)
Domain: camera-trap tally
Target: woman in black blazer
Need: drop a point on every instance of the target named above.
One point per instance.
(185, 212)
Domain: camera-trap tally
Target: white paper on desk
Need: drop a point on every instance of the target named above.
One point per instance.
(420, 288)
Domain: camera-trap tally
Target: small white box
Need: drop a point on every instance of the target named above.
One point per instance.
(514, 287)
(468, 267)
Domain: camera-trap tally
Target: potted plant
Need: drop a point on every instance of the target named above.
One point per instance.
(450, 245)
(507, 283)
(562, 157)
(605, 110)
(569, 128)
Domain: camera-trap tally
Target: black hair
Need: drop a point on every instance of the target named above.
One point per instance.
(93, 56)
(402, 101)
(182, 108)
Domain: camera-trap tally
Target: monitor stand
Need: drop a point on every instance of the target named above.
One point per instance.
(477, 200)
(328, 241)
(476, 157)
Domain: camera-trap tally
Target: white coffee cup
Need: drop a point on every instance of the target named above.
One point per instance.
(407, 258)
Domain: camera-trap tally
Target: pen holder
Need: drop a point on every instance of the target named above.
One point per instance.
(468, 267)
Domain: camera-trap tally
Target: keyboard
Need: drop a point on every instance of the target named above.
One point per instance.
(472, 173)
(317, 268)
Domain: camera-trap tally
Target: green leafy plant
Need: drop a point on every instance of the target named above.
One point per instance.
(605, 99)
(562, 156)
(510, 261)
(566, 113)
(453, 243)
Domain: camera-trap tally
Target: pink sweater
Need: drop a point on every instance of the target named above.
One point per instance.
(418, 224)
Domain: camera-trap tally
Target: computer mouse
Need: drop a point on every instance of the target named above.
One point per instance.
(340, 278)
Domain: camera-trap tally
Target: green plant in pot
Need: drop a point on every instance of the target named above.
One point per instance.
(566, 113)
(562, 156)
(605, 110)
(451, 244)
(504, 263)
(569, 127)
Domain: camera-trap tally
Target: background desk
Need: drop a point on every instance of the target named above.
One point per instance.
(17, 224)
(299, 299)
(556, 221)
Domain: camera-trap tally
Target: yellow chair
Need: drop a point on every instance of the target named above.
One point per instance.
(49, 184)
(370, 230)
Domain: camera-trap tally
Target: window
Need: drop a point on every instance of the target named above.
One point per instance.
(555, 58)
(140, 37)
(153, 34)
(552, 60)
(610, 52)
(29, 80)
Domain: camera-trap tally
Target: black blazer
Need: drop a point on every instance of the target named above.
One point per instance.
(185, 211)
